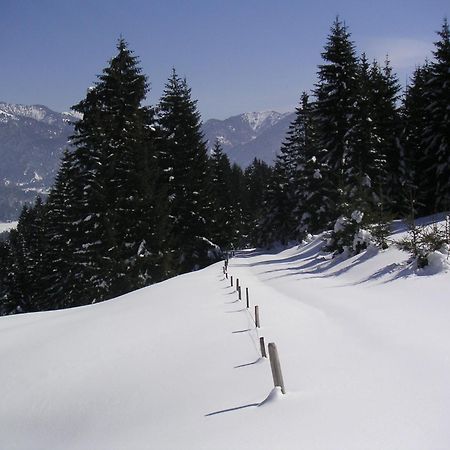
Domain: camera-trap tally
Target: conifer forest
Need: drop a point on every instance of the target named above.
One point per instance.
(139, 198)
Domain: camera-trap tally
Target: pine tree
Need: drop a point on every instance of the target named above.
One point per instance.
(334, 107)
(256, 182)
(60, 272)
(436, 135)
(416, 179)
(277, 221)
(27, 246)
(225, 207)
(310, 176)
(7, 304)
(184, 161)
(365, 164)
(118, 235)
(386, 123)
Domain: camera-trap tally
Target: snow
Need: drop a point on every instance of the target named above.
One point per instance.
(6, 226)
(357, 216)
(364, 345)
(258, 119)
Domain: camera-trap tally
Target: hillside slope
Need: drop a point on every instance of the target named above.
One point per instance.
(364, 345)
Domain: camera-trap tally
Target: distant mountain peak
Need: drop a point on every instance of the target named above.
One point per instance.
(249, 135)
(258, 119)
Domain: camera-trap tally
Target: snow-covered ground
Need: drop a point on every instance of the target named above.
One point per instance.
(364, 345)
(6, 226)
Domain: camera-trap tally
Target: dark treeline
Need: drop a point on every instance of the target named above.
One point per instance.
(138, 199)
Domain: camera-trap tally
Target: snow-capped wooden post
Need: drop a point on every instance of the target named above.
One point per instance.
(237, 284)
(257, 316)
(246, 294)
(239, 292)
(231, 280)
(226, 275)
(276, 367)
(263, 347)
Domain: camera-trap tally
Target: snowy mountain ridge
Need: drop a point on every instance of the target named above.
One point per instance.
(262, 119)
(40, 113)
(249, 135)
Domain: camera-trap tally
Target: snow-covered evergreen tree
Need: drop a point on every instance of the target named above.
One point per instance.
(387, 129)
(416, 179)
(334, 107)
(184, 160)
(436, 135)
(225, 208)
(312, 187)
(256, 181)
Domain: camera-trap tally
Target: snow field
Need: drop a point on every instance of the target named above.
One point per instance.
(364, 345)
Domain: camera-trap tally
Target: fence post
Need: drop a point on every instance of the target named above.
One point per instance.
(263, 347)
(257, 316)
(276, 367)
(231, 280)
(237, 284)
(246, 294)
(226, 275)
(239, 292)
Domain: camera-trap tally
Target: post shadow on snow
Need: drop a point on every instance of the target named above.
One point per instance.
(241, 331)
(232, 409)
(248, 364)
(236, 310)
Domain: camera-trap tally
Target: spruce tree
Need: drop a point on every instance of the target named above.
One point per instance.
(256, 181)
(387, 128)
(416, 179)
(184, 161)
(7, 304)
(27, 248)
(312, 179)
(118, 234)
(61, 272)
(436, 135)
(225, 207)
(334, 108)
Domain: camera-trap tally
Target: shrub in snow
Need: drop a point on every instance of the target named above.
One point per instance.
(347, 235)
(426, 243)
(351, 235)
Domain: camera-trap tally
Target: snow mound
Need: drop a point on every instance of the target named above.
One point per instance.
(275, 395)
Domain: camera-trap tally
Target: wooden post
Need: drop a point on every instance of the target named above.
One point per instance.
(239, 292)
(231, 280)
(276, 367)
(263, 347)
(246, 294)
(226, 275)
(257, 316)
(237, 284)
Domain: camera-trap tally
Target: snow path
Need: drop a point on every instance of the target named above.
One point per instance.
(364, 347)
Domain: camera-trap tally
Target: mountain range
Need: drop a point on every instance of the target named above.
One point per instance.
(33, 138)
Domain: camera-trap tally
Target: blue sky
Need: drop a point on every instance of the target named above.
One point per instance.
(237, 56)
